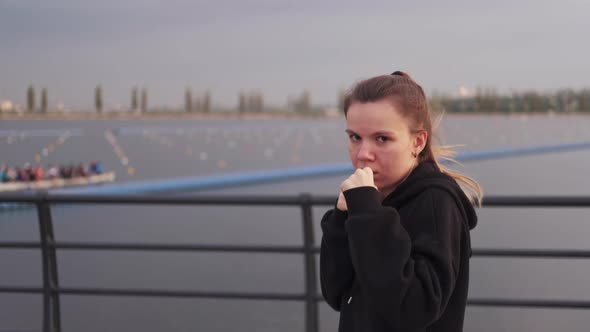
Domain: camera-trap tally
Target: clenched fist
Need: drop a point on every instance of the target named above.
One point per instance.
(362, 177)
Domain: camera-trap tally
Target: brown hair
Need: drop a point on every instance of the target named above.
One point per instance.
(410, 100)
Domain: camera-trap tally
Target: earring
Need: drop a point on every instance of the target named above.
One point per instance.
(414, 154)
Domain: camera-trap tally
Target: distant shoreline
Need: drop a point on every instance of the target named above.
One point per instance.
(156, 116)
(232, 116)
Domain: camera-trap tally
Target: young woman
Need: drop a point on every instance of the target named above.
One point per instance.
(395, 249)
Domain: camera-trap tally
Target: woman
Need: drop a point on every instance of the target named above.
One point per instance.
(395, 249)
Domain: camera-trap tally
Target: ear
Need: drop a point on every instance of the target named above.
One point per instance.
(420, 141)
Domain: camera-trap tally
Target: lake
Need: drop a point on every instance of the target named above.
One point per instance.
(145, 149)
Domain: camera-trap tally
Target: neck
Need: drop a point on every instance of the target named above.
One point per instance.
(386, 192)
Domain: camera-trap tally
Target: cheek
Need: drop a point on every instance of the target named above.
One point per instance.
(392, 160)
(352, 155)
(351, 150)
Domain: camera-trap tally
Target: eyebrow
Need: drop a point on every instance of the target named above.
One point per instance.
(377, 133)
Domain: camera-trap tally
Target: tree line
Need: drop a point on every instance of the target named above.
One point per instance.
(483, 101)
(248, 101)
(488, 101)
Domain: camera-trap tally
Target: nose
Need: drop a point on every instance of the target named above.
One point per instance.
(365, 152)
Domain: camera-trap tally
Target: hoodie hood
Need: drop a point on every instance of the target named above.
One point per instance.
(427, 175)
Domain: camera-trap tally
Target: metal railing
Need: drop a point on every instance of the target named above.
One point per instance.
(51, 289)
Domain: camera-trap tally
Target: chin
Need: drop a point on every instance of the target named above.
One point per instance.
(379, 186)
(383, 187)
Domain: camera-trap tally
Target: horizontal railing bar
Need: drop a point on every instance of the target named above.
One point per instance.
(169, 199)
(515, 253)
(180, 293)
(20, 245)
(155, 247)
(540, 303)
(531, 253)
(488, 201)
(176, 247)
(157, 293)
(536, 201)
(530, 303)
(28, 290)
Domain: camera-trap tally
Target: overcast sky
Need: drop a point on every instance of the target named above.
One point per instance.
(282, 47)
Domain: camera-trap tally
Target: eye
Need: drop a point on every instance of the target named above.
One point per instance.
(354, 137)
(383, 139)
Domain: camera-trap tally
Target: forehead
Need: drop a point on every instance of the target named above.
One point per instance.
(375, 116)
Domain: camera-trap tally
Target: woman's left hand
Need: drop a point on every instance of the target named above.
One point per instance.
(362, 177)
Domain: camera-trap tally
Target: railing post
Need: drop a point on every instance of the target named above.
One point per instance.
(311, 305)
(51, 312)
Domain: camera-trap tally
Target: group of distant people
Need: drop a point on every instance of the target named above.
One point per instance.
(28, 173)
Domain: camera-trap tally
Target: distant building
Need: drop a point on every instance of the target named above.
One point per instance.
(465, 92)
(60, 107)
(6, 106)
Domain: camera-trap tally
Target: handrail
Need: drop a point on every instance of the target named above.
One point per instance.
(171, 199)
(48, 246)
(481, 252)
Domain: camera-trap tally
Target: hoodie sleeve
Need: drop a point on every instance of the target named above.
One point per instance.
(408, 280)
(336, 271)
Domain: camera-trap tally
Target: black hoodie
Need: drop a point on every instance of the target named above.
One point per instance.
(401, 264)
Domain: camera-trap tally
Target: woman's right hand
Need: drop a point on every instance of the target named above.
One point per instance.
(360, 178)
